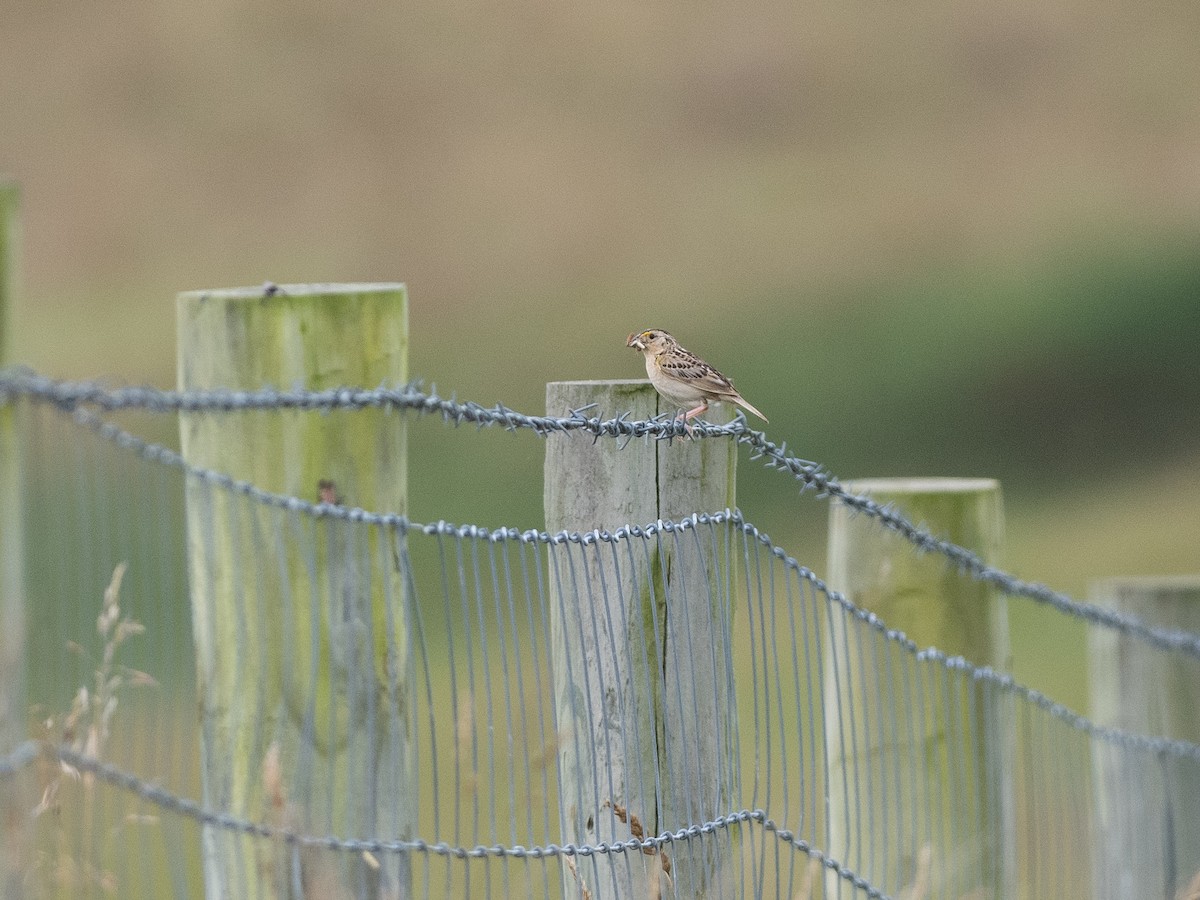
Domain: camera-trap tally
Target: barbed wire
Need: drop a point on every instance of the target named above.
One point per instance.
(859, 853)
(402, 523)
(75, 396)
(28, 753)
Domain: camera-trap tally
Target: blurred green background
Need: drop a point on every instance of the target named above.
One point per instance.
(923, 241)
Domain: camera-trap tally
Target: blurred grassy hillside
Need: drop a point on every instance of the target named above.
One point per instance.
(923, 241)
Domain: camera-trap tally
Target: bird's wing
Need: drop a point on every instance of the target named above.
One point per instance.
(696, 372)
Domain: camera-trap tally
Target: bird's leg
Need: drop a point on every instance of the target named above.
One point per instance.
(690, 414)
(680, 417)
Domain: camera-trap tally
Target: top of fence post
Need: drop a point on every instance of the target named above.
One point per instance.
(1142, 690)
(640, 636)
(299, 624)
(953, 756)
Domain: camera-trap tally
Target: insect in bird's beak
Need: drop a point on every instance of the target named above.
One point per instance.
(635, 341)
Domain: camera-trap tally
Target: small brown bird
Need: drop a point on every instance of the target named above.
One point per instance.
(682, 377)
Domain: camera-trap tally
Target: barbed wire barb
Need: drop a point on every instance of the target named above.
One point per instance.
(852, 760)
(24, 383)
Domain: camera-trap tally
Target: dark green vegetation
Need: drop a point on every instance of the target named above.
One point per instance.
(963, 245)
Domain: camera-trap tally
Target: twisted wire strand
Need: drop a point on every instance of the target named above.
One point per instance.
(77, 396)
(28, 753)
(402, 523)
(83, 401)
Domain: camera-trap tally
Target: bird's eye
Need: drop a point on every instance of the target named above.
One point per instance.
(649, 335)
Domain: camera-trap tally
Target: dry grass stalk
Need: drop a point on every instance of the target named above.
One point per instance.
(86, 728)
(464, 733)
(548, 754)
(584, 893)
(318, 874)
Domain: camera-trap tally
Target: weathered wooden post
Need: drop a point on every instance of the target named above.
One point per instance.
(900, 766)
(642, 692)
(300, 626)
(1147, 838)
(14, 831)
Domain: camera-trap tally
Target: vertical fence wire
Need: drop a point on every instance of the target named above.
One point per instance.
(470, 612)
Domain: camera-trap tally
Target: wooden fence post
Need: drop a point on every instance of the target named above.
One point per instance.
(303, 666)
(916, 767)
(1147, 839)
(14, 829)
(643, 711)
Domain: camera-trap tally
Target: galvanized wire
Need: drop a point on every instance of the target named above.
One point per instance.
(470, 610)
(22, 383)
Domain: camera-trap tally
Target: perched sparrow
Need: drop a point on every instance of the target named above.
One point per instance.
(683, 377)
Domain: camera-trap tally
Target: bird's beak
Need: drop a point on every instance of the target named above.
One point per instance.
(635, 341)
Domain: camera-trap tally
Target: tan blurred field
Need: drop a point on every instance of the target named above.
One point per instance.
(923, 240)
(515, 161)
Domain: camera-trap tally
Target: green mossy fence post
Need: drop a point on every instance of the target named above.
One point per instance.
(641, 693)
(14, 829)
(1143, 690)
(302, 657)
(897, 768)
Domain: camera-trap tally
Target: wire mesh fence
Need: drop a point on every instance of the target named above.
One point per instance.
(411, 734)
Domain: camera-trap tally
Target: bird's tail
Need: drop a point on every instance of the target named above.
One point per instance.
(737, 398)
